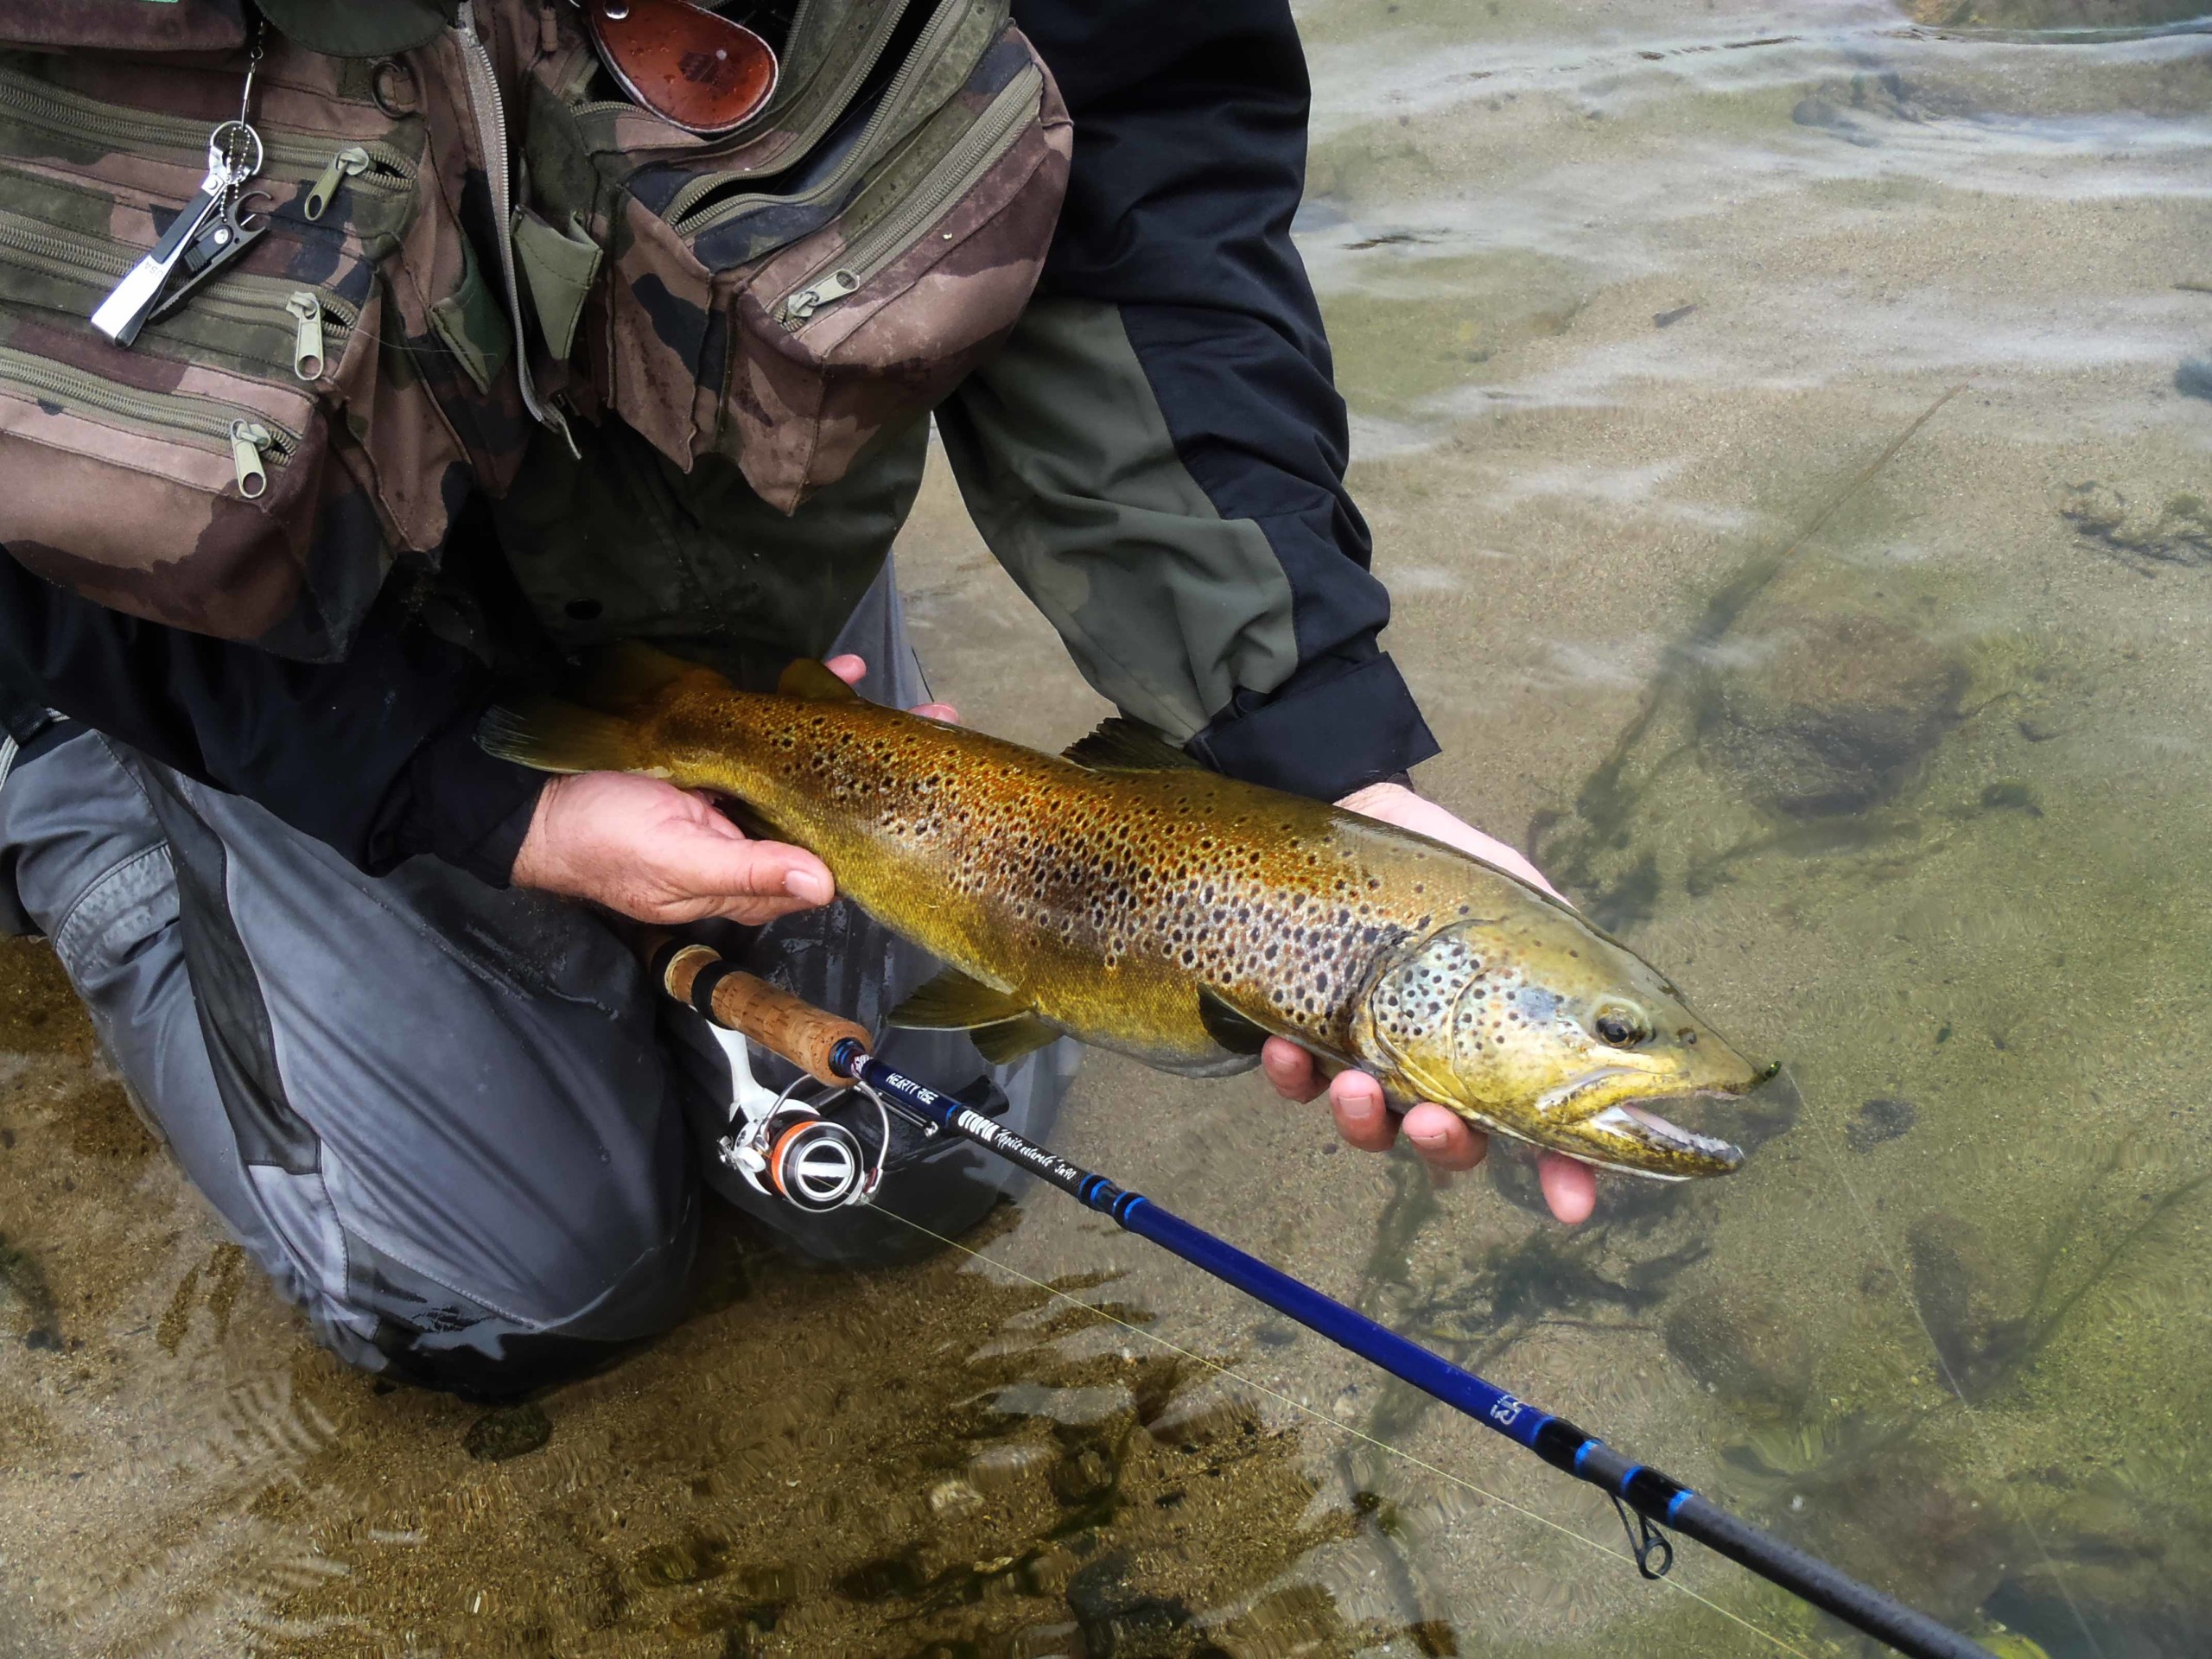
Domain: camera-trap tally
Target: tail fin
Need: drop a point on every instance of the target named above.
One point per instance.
(555, 736)
(622, 677)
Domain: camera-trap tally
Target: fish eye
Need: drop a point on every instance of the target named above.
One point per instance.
(1619, 1027)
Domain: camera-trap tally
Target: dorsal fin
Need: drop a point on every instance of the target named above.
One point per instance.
(621, 679)
(809, 681)
(1121, 745)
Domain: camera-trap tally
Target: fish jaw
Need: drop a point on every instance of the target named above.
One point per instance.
(1608, 1120)
(1614, 1117)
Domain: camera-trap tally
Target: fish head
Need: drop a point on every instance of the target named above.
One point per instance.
(1548, 1030)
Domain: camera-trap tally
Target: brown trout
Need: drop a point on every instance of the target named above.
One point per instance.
(1126, 896)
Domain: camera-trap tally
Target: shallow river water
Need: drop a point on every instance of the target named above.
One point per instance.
(1787, 432)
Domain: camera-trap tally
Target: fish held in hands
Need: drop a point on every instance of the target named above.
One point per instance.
(1124, 895)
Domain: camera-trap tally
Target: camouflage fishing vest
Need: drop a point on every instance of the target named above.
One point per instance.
(463, 237)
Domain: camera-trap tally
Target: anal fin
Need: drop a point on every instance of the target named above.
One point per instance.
(1227, 1027)
(1009, 1039)
(957, 1001)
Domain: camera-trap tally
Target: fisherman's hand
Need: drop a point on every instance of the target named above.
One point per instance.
(660, 854)
(1442, 1137)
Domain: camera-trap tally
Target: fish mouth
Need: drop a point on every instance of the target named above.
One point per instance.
(1631, 1133)
(1637, 1120)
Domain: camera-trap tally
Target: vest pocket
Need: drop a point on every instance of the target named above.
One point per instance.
(781, 299)
(252, 464)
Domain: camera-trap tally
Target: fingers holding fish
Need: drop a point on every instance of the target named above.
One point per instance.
(1291, 1070)
(659, 854)
(1396, 803)
(852, 669)
(1127, 895)
(1443, 1140)
(1570, 1188)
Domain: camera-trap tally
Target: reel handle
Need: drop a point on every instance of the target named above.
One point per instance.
(697, 975)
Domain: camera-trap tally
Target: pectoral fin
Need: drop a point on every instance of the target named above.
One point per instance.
(809, 681)
(1227, 1027)
(1121, 744)
(957, 1001)
(1009, 1040)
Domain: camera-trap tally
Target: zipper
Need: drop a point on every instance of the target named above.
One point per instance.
(253, 443)
(978, 150)
(248, 440)
(55, 109)
(926, 45)
(351, 162)
(307, 338)
(490, 110)
(65, 254)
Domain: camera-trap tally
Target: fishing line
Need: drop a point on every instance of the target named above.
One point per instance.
(1300, 1407)
(1973, 1417)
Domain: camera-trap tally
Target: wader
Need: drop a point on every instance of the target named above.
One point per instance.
(452, 1124)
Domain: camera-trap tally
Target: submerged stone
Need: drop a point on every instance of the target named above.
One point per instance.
(507, 1432)
(1742, 1346)
(1881, 1119)
(1118, 1620)
(1835, 720)
(1975, 1300)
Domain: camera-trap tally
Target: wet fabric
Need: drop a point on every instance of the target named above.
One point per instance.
(443, 1119)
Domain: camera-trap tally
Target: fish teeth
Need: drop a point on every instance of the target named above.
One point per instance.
(1642, 1123)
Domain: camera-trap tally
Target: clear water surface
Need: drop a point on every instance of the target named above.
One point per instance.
(1786, 429)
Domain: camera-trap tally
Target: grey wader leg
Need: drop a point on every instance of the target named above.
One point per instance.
(437, 1116)
(838, 959)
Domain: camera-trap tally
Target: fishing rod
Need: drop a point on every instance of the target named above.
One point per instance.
(786, 1148)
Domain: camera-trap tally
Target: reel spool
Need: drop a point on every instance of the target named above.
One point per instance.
(787, 1149)
(807, 1161)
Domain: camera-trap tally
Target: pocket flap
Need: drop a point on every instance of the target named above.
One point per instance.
(559, 266)
(175, 25)
(474, 325)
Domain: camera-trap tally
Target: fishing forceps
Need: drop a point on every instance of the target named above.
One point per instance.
(234, 156)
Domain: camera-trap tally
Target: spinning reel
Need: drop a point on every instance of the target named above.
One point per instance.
(782, 1144)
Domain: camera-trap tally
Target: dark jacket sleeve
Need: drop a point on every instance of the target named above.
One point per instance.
(375, 756)
(1190, 160)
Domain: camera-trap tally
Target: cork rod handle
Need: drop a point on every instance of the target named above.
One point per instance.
(798, 1031)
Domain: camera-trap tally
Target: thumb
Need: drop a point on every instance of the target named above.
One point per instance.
(751, 869)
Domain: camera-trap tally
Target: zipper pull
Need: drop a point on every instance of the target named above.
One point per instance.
(307, 342)
(349, 163)
(797, 308)
(248, 440)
